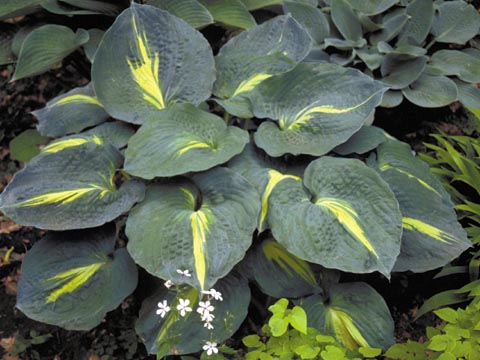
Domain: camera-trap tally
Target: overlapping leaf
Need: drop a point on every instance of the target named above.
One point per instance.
(174, 334)
(230, 12)
(293, 276)
(364, 140)
(45, 47)
(191, 11)
(432, 235)
(182, 139)
(265, 173)
(255, 55)
(456, 22)
(311, 17)
(421, 14)
(72, 279)
(205, 227)
(398, 73)
(460, 63)
(148, 60)
(70, 186)
(431, 91)
(310, 116)
(343, 216)
(70, 113)
(354, 313)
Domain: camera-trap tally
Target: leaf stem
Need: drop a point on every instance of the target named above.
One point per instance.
(226, 117)
(430, 44)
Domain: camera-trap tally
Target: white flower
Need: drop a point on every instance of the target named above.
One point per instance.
(183, 306)
(204, 307)
(207, 317)
(168, 284)
(208, 325)
(163, 308)
(217, 295)
(210, 348)
(184, 273)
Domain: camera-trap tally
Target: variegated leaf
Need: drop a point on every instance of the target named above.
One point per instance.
(204, 226)
(73, 278)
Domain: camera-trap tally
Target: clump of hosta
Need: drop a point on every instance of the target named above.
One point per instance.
(310, 192)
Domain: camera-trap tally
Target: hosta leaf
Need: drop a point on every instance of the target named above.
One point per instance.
(191, 11)
(430, 238)
(403, 52)
(20, 36)
(364, 140)
(399, 73)
(12, 8)
(182, 139)
(311, 17)
(354, 313)
(293, 276)
(7, 34)
(60, 8)
(45, 47)
(204, 227)
(453, 62)
(174, 334)
(230, 12)
(371, 57)
(431, 91)
(345, 44)
(312, 118)
(73, 278)
(257, 4)
(416, 30)
(391, 99)
(468, 94)
(116, 133)
(346, 20)
(25, 145)
(265, 173)
(70, 186)
(372, 7)
(70, 113)
(456, 22)
(148, 60)
(98, 6)
(96, 35)
(255, 55)
(343, 216)
(392, 24)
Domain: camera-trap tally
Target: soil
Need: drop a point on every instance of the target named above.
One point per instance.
(115, 336)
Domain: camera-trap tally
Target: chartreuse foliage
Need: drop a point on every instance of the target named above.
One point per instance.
(208, 194)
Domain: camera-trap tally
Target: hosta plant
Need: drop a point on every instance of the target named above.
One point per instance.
(306, 193)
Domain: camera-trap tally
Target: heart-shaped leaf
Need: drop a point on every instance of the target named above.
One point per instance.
(255, 55)
(293, 276)
(430, 238)
(70, 113)
(431, 91)
(204, 227)
(456, 22)
(73, 278)
(343, 216)
(191, 11)
(182, 139)
(45, 47)
(311, 117)
(70, 186)
(354, 313)
(468, 94)
(148, 60)
(174, 334)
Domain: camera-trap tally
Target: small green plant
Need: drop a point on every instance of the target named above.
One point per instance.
(279, 341)
(209, 205)
(23, 345)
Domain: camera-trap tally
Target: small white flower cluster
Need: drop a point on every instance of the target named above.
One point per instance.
(205, 309)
